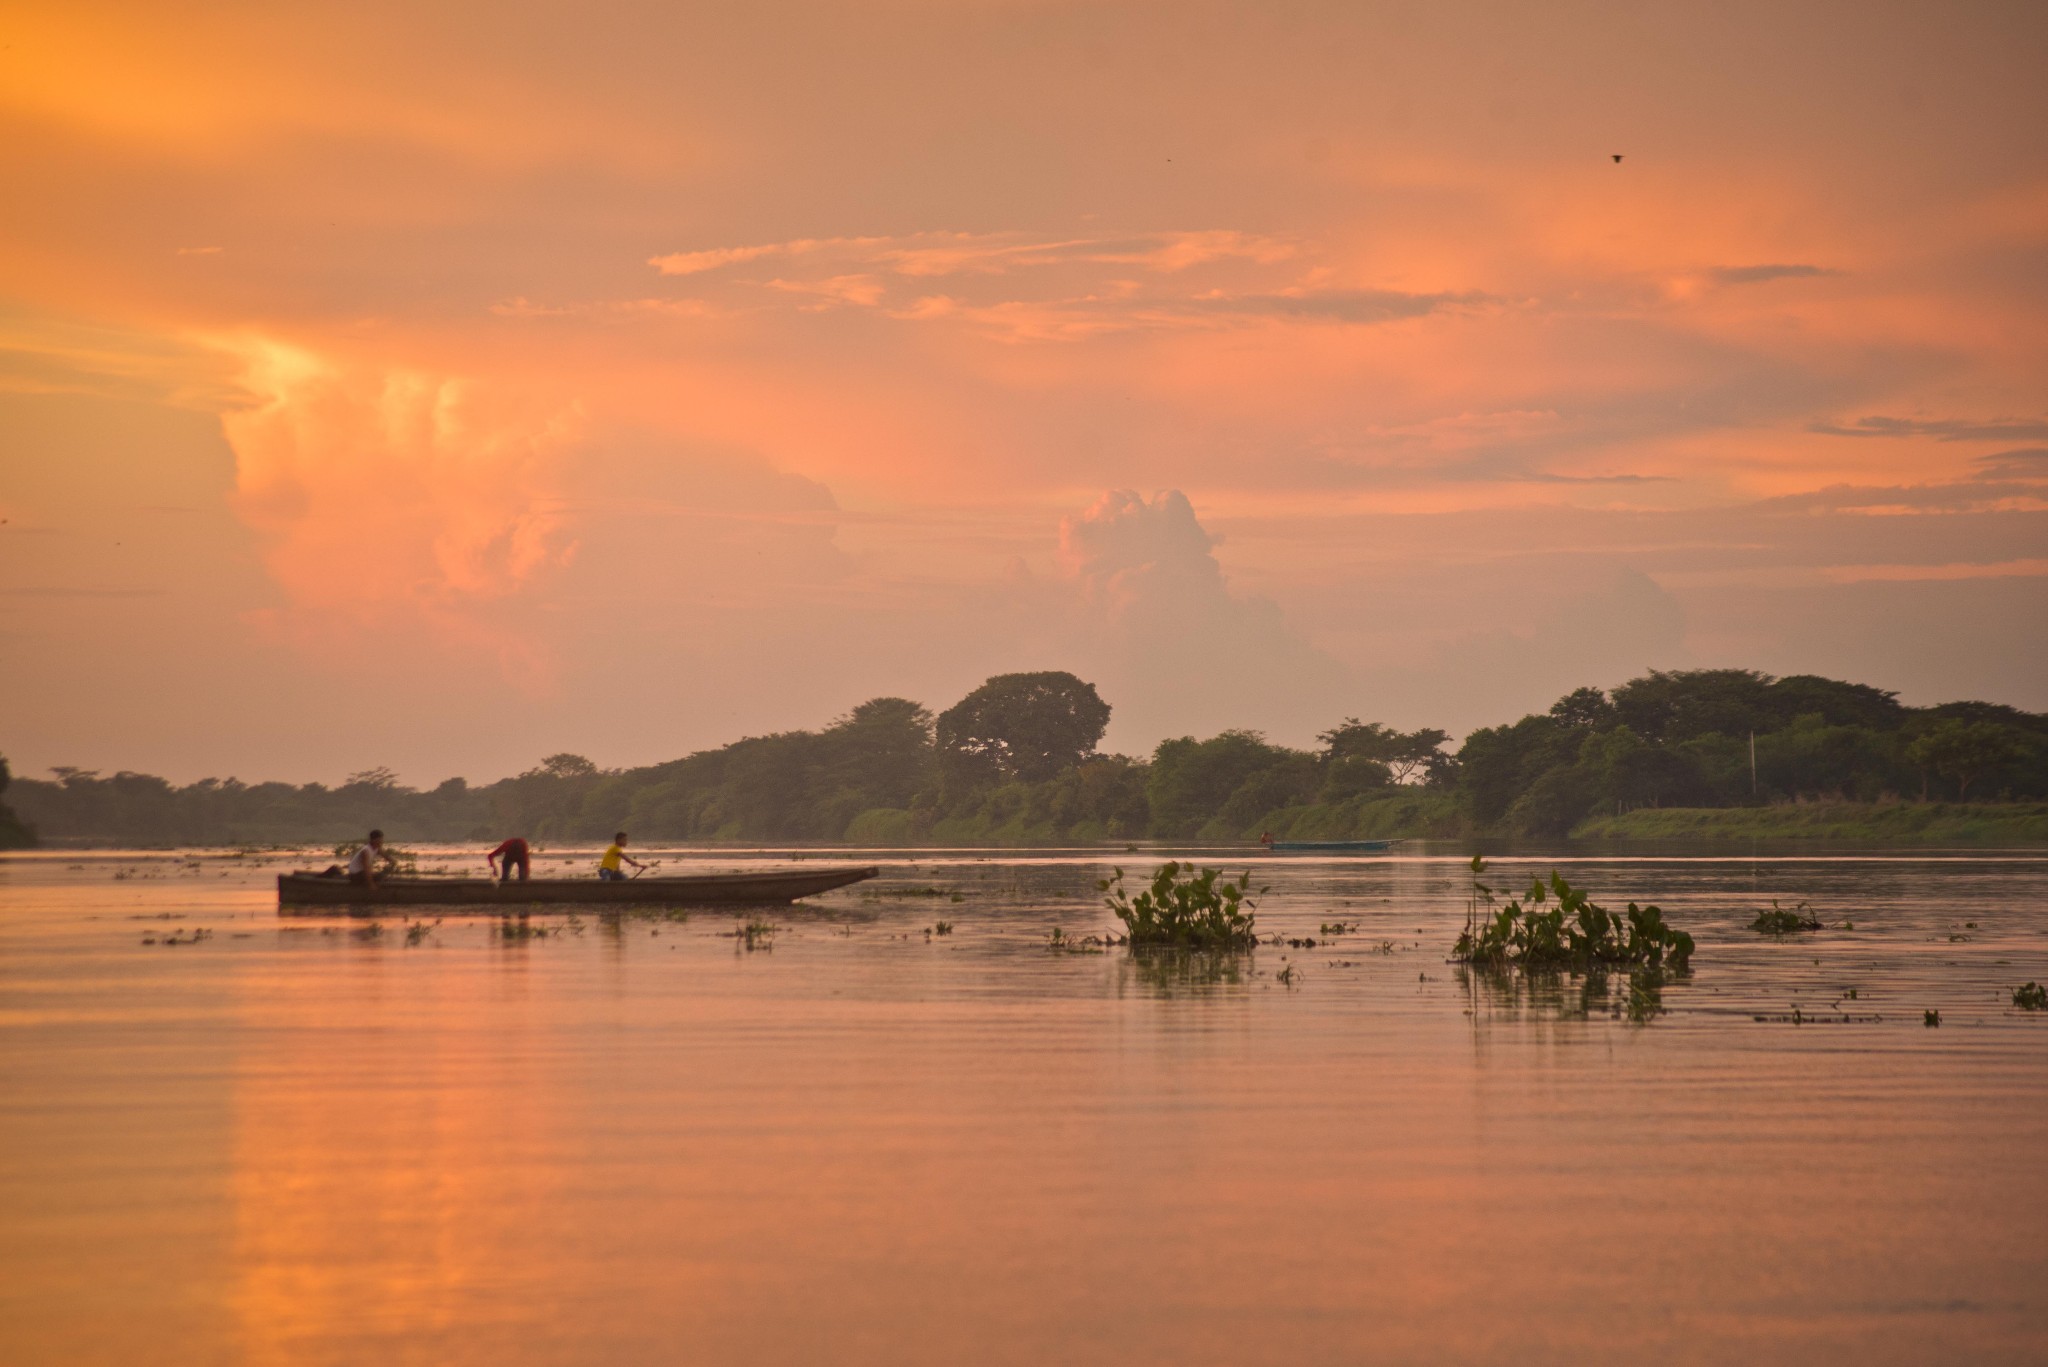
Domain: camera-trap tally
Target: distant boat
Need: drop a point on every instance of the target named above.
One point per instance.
(694, 890)
(1329, 846)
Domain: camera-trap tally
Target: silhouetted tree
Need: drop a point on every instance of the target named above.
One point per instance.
(1583, 709)
(1406, 755)
(14, 833)
(1021, 726)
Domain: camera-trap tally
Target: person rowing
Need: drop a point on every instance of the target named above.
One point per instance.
(514, 852)
(615, 854)
(370, 861)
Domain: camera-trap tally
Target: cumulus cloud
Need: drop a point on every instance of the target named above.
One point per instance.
(398, 504)
(1178, 651)
(379, 487)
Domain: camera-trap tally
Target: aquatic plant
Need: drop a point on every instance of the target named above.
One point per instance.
(1781, 921)
(1185, 909)
(1575, 933)
(2032, 997)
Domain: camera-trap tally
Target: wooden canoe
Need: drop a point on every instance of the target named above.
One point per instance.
(767, 887)
(1331, 846)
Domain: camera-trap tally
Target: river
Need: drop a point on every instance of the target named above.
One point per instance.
(232, 1137)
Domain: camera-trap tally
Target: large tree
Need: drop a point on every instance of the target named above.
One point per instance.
(1021, 726)
(1966, 751)
(1405, 756)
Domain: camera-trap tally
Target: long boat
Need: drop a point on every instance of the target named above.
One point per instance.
(1330, 846)
(692, 890)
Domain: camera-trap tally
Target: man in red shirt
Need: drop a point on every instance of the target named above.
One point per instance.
(513, 851)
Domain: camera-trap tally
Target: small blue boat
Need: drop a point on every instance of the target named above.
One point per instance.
(1329, 846)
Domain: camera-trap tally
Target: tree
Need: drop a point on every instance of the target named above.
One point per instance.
(564, 765)
(1671, 706)
(1021, 726)
(1837, 703)
(1191, 779)
(14, 835)
(1965, 751)
(1584, 709)
(1407, 755)
(882, 750)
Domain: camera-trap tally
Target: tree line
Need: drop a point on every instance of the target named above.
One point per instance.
(1017, 762)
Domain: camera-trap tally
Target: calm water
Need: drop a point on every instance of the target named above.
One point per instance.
(643, 1141)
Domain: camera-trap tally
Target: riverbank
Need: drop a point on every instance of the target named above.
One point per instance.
(1908, 823)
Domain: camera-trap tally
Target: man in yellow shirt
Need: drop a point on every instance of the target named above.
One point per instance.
(608, 867)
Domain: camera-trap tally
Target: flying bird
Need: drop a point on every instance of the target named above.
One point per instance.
(1617, 156)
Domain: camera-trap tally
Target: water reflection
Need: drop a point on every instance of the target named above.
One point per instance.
(1165, 972)
(1499, 993)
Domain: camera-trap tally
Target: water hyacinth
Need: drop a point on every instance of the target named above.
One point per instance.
(1555, 925)
(1185, 908)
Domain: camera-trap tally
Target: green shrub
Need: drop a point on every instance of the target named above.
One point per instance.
(2032, 997)
(1184, 908)
(1575, 933)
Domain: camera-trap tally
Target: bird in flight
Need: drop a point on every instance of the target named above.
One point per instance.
(1617, 156)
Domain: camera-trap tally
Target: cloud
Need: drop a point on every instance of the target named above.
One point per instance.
(1338, 305)
(2031, 568)
(696, 263)
(864, 290)
(1754, 275)
(1177, 650)
(942, 253)
(382, 497)
(2026, 465)
(1941, 429)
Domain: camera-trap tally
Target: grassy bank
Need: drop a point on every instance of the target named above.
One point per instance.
(1906, 823)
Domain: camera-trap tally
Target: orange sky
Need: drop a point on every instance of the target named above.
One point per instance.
(444, 385)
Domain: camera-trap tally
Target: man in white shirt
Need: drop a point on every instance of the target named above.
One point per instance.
(369, 862)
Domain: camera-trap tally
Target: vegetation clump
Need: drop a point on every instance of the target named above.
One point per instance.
(1574, 933)
(2032, 997)
(1185, 909)
(1783, 921)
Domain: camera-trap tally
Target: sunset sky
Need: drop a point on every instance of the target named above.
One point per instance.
(441, 385)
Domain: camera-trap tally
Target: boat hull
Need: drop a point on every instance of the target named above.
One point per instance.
(305, 890)
(1331, 846)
